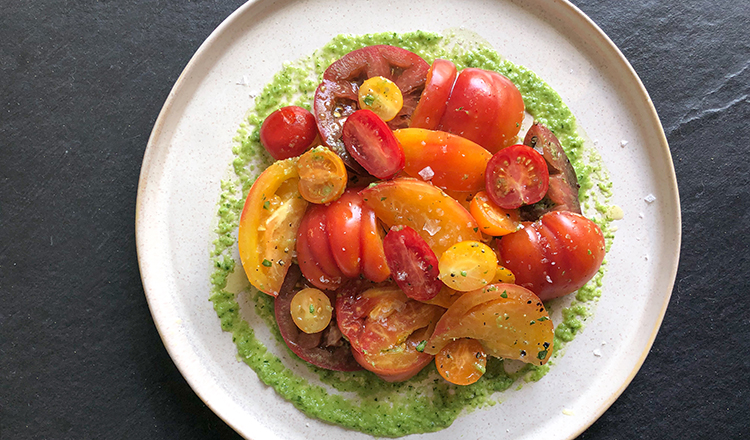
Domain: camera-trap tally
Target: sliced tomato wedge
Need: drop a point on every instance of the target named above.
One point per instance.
(372, 144)
(413, 264)
(314, 253)
(516, 176)
(337, 95)
(344, 228)
(434, 99)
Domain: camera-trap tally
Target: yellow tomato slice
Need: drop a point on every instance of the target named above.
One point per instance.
(468, 265)
(462, 361)
(322, 175)
(268, 226)
(447, 160)
(510, 322)
(439, 219)
(311, 310)
(381, 96)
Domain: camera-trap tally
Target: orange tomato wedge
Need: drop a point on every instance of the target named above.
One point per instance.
(493, 220)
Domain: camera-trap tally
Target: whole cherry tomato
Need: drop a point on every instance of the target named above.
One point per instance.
(555, 255)
(484, 107)
(288, 132)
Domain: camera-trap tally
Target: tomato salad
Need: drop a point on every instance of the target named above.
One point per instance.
(403, 224)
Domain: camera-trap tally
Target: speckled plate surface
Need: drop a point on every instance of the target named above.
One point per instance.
(190, 148)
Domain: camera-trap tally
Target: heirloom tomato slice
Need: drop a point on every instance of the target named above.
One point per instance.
(268, 226)
(509, 321)
(437, 89)
(439, 219)
(449, 161)
(337, 95)
(385, 327)
(413, 264)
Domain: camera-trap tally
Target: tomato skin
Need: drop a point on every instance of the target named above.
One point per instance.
(336, 98)
(434, 99)
(516, 176)
(384, 327)
(288, 132)
(457, 163)
(268, 226)
(344, 228)
(439, 219)
(372, 144)
(508, 320)
(555, 255)
(314, 254)
(484, 107)
(413, 264)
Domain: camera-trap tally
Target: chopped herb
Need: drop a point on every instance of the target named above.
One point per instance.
(312, 309)
(267, 205)
(266, 263)
(463, 273)
(368, 100)
(504, 294)
(542, 354)
(481, 368)
(421, 346)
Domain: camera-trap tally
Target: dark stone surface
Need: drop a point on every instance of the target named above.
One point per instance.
(81, 85)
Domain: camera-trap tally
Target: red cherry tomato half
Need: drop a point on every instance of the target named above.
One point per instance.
(288, 132)
(337, 95)
(372, 144)
(516, 176)
(413, 264)
(326, 349)
(555, 255)
(437, 89)
(484, 107)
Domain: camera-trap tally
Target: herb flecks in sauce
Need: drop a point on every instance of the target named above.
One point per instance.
(360, 400)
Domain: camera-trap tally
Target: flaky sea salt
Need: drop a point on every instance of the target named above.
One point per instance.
(623, 143)
(650, 198)
(426, 173)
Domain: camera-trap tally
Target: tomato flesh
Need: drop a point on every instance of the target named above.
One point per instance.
(322, 175)
(492, 219)
(555, 255)
(413, 264)
(462, 361)
(288, 132)
(516, 176)
(372, 144)
(434, 99)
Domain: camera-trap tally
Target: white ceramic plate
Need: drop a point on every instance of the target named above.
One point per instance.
(190, 148)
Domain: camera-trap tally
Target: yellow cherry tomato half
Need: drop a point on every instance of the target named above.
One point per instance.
(322, 175)
(492, 219)
(382, 96)
(462, 361)
(467, 266)
(504, 275)
(311, 310)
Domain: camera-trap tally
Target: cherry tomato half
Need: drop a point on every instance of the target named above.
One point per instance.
(434, 99)
(484, 107)
(555, 255)
(516, 176)
(372, 144)
(322, 175)
(288, 132)
(467, 266)
(492, 219)
(462, 361)
(413, 264)
(382, 96)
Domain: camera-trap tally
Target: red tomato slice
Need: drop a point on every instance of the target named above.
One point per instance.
(555, 255)
(372, 144)
(374, 265)
(385, 327)
(437, 89)
(326, 349)
(336, 97)
(344, 225)
(288, 132)
(413, 264)
(314, 253)
(516, 176)
(484, 107)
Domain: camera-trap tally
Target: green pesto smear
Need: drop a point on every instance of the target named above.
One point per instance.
(360, 400)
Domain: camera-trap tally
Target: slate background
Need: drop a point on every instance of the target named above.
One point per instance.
(81, 85)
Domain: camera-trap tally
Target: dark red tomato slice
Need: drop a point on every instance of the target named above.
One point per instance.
(555, 255)
(385, 327)
(336, 96)
(372, 144)
(516, 176)
(437, 89)
(314, 253)
(413, 265)
(344, 225)
(288, 132)
(484, 107)
(326, 349)
(563, 182)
